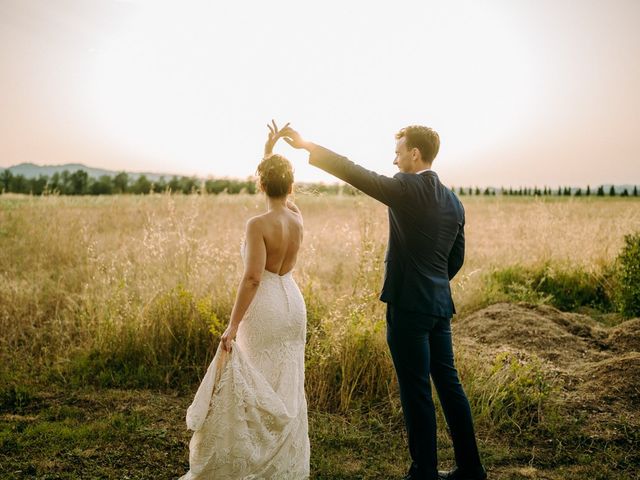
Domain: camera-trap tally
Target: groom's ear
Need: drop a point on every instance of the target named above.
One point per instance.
(415, 153)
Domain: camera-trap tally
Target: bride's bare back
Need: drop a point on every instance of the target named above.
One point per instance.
(282, 232)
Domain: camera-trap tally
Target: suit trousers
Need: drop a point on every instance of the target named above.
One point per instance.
(421, 346)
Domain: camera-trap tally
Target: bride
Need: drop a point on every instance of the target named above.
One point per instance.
(249, 415)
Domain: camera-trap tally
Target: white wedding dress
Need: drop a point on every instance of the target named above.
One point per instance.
(249, 415)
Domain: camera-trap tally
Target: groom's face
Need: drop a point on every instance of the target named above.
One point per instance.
(404, 157)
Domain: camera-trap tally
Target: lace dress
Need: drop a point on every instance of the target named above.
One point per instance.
(249, 415)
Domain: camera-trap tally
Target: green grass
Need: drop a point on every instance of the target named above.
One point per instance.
(568, 288)
(141, 434)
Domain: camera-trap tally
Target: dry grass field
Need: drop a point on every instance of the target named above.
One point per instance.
(111, 307)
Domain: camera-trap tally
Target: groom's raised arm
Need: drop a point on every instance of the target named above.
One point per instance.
(385, 189)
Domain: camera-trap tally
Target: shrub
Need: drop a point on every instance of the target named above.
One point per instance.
(15, 395)
(512, 393)
(628, 277)
(566, 289)
(168, 347)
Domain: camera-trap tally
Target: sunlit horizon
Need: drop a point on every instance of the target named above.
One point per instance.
(533, 93)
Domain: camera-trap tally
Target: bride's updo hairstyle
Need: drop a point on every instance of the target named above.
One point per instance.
(276, 175)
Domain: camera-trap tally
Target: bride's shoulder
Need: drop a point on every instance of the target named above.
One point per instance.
(257, 222)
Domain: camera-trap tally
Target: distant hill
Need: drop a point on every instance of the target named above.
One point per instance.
(31, 170)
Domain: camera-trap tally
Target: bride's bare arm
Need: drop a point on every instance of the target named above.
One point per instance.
(255, 258)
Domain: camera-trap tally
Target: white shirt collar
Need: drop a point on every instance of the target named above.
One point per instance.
(422, 171)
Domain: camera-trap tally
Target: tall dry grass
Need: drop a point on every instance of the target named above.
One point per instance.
(135, 290)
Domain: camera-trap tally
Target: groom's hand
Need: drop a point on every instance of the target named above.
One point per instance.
(294, 139)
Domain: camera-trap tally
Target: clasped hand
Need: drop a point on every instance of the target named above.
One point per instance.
(287, 133)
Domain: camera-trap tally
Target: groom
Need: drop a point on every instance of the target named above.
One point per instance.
(425, 251)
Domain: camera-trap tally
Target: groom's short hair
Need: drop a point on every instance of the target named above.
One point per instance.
(425, 139)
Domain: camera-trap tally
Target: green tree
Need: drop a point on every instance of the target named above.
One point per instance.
(79, 182)
(635, 191)
(612, 191)
(19, 184)
(54, 183)
(160, 185)
(600, 191)
(588, 192)
(121, 183)
(39, 185)
(189, 185)
(175, 185)
(624, 193)
(102, 186)
(141, 186)
(216, 185)
(6, 178)
(65, 183)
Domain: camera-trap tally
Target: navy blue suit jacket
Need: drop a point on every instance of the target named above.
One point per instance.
(426, 232)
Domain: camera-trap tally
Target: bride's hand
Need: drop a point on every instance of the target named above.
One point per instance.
(228, 335)
(274, 135)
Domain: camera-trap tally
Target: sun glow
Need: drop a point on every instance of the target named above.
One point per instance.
(195, 86)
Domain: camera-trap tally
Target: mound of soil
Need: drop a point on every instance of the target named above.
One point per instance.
(626, 336)
(599, 366)
(615, 380)
(559, 337)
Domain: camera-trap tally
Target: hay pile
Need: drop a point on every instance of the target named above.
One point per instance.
(599, 366)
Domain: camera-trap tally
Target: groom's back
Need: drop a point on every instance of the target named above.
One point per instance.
(426, 245)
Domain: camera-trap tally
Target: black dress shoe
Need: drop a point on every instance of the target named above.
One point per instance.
(457, 474)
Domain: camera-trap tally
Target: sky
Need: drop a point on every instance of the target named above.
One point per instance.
(521, 92)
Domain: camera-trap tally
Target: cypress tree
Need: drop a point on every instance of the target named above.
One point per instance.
(588, 192)
(635, 190)
(612, 191)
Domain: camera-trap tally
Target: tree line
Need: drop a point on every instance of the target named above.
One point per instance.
(547, 191)
(80, 183)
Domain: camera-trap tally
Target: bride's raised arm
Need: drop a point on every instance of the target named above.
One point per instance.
(273, 136)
